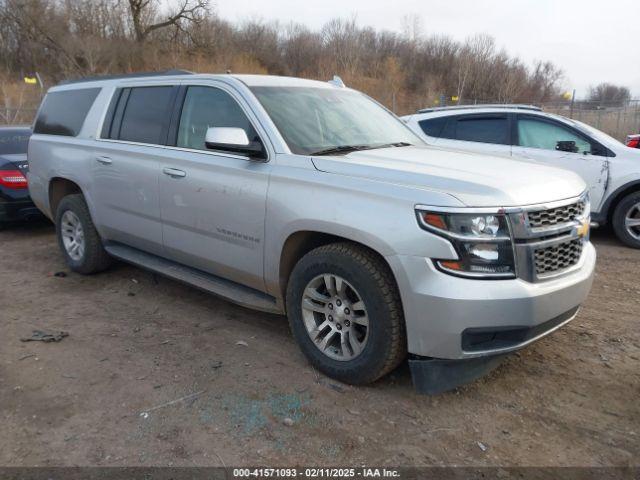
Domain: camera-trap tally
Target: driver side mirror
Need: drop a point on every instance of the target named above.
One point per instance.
(233, 140)
(567, 146)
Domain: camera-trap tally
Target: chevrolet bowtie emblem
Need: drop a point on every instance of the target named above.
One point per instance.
(583, 229)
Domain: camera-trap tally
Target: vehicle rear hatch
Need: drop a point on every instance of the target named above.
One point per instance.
(14, 161)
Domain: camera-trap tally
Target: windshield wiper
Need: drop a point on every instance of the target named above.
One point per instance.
(395, 144)
(355, 148)
(342, 149)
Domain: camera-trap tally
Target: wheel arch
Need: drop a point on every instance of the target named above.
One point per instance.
(60, 187)
(301, 242)
(616, 196)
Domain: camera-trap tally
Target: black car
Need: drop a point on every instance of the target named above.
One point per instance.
(15, 203)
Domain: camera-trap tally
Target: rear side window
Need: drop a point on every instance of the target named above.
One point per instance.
(491, 129)
(14, 141)
(63, 113)
(434, 127)
(146, 115)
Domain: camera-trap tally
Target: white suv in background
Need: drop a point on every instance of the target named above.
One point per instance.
(610, 168)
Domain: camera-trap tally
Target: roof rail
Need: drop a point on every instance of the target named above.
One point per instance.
(126, 75)
(517, 106)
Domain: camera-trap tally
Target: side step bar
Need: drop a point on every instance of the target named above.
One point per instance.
(234, 292)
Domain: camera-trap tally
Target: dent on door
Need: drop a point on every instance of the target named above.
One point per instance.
(593, 169)
(213, 216)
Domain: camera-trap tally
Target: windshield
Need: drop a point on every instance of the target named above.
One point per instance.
(14, 141)
(313, 120)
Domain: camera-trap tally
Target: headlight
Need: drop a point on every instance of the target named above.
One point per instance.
(482, 241)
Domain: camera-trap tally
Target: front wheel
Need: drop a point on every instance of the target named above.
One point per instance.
(345, 313)
(626, 220)
(78, 238)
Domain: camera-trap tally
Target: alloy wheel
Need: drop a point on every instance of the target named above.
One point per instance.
(72, 235)
(335, 317)
(632, 221)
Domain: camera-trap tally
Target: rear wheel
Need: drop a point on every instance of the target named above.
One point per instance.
(345, 313)
(78, 238)
(626, 220)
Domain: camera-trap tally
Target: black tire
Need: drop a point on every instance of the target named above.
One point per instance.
(95, 258)
(386, 346)
(618, 220)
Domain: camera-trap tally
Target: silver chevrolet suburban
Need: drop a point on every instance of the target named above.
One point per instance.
(309, 198)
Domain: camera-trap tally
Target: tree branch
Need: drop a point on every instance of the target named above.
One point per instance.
(189, 11)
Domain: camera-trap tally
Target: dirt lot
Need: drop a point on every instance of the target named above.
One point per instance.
(99, 397)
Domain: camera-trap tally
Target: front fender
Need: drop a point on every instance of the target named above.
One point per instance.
(378, 216)
(625, 184)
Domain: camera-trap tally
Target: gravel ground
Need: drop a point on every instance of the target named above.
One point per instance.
(152, 374)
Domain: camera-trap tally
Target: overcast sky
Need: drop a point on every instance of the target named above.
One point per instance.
(591, 40)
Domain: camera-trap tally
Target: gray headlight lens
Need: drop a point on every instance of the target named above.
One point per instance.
(488, 226)
(482, 241)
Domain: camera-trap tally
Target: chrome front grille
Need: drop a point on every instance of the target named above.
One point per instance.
(556, 216)
(558, 257)
(548, 240)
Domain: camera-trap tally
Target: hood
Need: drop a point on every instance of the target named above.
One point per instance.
(628, 152)
(476, 180)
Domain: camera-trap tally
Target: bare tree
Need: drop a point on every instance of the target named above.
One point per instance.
(609, 95)
(72, 38)
(13, 97)
(146, 18)
(301, 50)
(412, 27)
(474, 62)
(544, 80)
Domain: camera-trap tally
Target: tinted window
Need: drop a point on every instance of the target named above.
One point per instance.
(434, 127)
(146, 115)
(533, 133)
(109, 117)
(14, 141)
(63, 113)
(483, 129)
(206, 107)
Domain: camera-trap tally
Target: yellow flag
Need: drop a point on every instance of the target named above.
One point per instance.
(455, 98)
(31, 80)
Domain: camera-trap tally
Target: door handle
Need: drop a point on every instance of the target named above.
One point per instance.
(104, 160)
(174, 172)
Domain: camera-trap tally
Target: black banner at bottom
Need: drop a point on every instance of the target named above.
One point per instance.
(400, 473)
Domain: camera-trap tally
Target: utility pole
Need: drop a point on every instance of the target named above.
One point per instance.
(573, 100)
(41, 85)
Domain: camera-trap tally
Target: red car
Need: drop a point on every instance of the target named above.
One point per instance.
(633, 141)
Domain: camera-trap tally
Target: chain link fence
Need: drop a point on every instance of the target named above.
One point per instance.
(18, 116)
(616, 120)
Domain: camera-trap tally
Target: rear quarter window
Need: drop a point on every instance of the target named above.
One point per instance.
(64, 112)
(433, 126)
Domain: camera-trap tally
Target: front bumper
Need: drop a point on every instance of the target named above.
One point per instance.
(449, 317)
